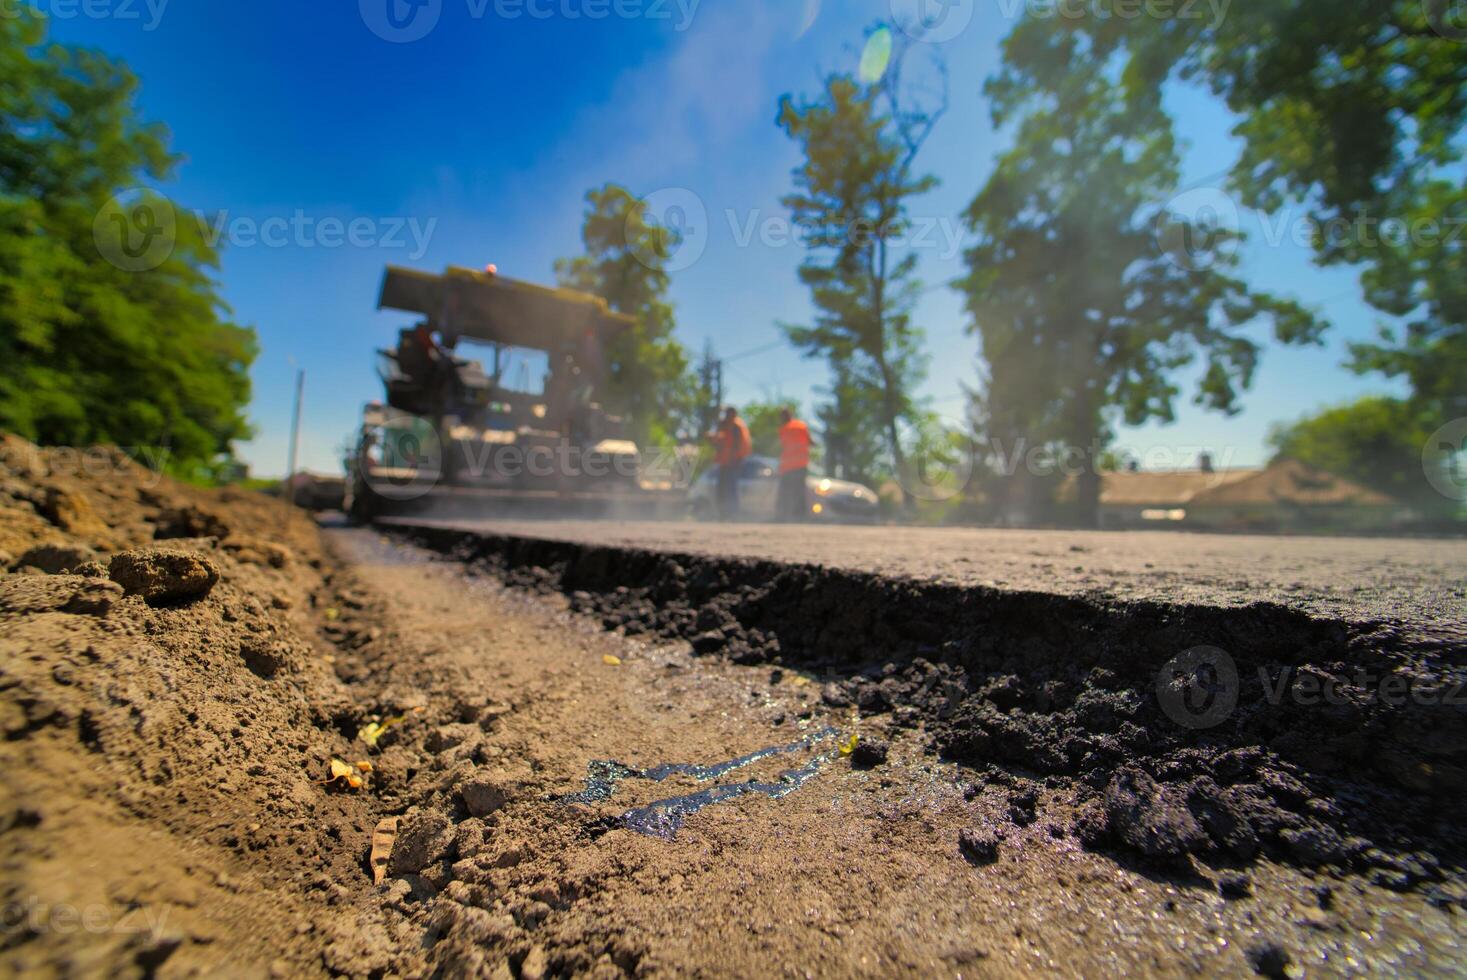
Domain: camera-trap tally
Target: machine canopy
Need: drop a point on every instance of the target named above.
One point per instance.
(464, 303)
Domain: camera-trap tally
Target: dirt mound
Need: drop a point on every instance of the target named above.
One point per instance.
(1070, 690)
(169, 712)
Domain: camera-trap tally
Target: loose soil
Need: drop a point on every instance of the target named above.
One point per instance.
(180, 667)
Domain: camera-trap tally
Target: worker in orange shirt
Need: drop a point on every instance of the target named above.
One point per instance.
(794, 466)
(731, 445)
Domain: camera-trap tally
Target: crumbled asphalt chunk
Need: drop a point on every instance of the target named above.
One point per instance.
(1023, 798)
(1092, 826)
(870, 752)
(835, 696)
(164, 576)
(1313, 846)
(1233, 886)
(709, 642)
(1269, 960)
(978, 844)
(1218, 812)
(1151, 817)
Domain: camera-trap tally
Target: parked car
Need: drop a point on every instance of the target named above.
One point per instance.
(825, 499)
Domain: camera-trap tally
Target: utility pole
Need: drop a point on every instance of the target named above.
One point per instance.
(710, 377)
(295, 436)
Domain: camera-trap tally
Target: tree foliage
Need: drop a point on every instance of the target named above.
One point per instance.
(1375, 441)
(1087, 299)
(625, 263)
(1353, 114)
(852, 198)
(93, 348)
(762, 418)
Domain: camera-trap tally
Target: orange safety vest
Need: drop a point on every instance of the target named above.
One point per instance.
(794, 441)
(733, 442)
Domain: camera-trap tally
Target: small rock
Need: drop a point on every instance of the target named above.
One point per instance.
(869, 752)
(422, 838)
(483, 795)
(164, 576)
(446, 737)
(979, 845)
(1313, 916)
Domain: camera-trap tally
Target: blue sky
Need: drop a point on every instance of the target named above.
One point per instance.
(476, 143)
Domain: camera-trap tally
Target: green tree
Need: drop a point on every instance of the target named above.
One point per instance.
(1351, 116)
(852, 197)
(111, 328)
(762, 418)
(850, 423)
(625, 263)
(1083, 312)
(1375, 441)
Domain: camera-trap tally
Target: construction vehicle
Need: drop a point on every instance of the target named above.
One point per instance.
(452, 438)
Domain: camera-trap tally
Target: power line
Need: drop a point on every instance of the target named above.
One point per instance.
(751, 353)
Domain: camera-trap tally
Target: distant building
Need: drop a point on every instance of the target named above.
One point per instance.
(1285, 495)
